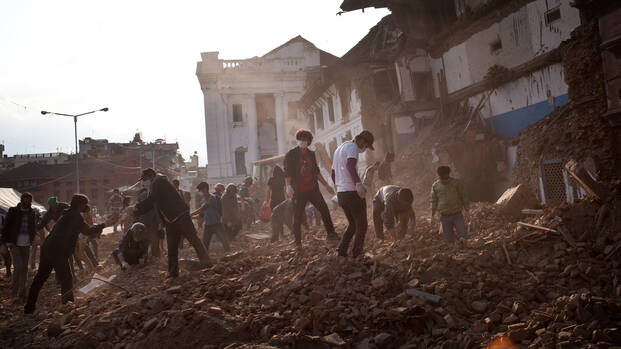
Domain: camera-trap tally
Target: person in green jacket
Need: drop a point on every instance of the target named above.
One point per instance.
(449, 198)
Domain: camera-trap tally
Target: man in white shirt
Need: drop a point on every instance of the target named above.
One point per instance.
(351, 192)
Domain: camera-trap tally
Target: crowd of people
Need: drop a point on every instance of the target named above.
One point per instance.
(162, 211)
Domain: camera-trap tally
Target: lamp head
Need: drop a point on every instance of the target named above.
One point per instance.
(44, 112)
(104, 109)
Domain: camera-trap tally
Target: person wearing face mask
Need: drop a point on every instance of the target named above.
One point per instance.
(18, 234)
(175, 215)
(449, 198)
(211, 209)
(301, 176)
(351, 191)
(58, 247)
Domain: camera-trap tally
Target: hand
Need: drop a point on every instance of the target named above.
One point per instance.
(330, 190)
(124, 265)
(466, 216)
(362, 191)
(289, 190)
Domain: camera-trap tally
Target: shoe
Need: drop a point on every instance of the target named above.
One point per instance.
(29, 309)
(333, 237)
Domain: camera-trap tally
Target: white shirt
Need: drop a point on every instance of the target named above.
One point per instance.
(344, 182)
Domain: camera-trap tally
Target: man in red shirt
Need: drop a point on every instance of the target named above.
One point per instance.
(301, 176)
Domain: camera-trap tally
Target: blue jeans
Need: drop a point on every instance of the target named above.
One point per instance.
(453, 225)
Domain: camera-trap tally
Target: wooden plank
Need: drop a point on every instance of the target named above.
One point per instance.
(533, 226)
(428, 296)
(567, 237)
(581, 175)
(533, 211)
(504, 248)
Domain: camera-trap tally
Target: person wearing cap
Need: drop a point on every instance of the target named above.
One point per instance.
(175, 214)
(55, 209)
(351, 191)
(211, 209)
(301, 177)
(58, 247)
(133, 246)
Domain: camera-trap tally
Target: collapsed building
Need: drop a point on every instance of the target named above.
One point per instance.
(458, 82)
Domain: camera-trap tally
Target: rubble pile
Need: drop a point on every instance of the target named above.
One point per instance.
(542, 282)
(578, 129)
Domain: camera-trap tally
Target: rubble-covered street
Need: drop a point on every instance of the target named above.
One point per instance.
(507, 113)
(540, 287)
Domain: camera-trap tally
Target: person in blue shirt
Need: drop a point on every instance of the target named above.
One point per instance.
(211, 209)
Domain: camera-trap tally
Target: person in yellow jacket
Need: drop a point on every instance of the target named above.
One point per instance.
(449, 198)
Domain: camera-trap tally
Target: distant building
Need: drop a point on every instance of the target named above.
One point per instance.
(103, 167)
(251, 104)
(11, 162)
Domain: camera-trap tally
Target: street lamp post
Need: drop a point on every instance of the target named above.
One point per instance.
(75, 130)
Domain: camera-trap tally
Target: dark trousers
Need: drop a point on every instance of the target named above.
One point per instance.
(182, 227)
(378, 218)
(355, 209)
(299, 204)
(154, 241)
(60, 264)
(209, 230)
(278, 224)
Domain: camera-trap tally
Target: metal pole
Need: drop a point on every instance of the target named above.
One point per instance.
(77, 167)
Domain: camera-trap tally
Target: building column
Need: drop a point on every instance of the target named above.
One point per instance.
(212, 132)
(253, 144)
(280, 122)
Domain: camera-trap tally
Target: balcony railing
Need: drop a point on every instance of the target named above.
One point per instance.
(262, 64)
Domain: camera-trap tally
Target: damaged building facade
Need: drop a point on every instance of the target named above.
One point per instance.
(492, 66)
(251, 108)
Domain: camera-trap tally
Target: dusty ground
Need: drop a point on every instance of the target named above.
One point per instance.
(542, 292)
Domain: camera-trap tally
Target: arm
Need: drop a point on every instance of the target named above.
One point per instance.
(199, 210)
(351, 168)
(389, 214)
(434, 202)
(325, 183)
(145, 205)
(47, 217)
(268, 194)
(88, 231)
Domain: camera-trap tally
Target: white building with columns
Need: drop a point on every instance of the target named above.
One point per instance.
(251, 108)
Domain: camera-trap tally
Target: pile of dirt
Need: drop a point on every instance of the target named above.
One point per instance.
(534, 285)
(577, 130)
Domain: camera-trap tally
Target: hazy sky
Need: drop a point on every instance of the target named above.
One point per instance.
(139, 58)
